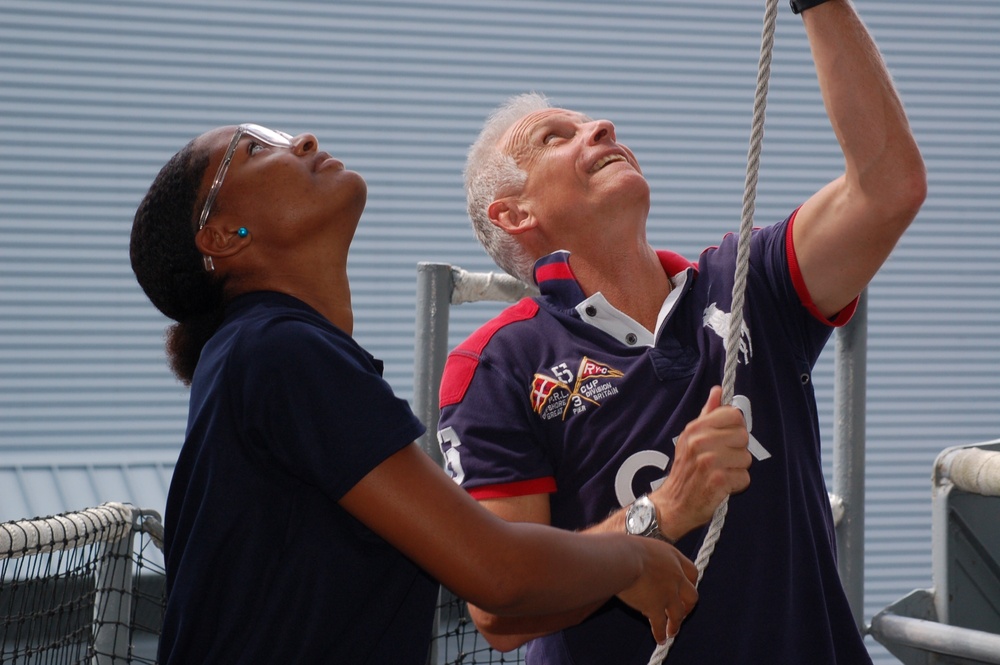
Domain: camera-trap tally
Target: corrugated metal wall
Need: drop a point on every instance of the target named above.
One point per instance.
(95, 96)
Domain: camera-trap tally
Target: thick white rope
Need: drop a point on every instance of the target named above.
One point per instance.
(739, 283)
(972, 470)
(108, 522)
(478, 286)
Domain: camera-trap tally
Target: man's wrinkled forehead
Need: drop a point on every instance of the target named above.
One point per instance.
(518, 136)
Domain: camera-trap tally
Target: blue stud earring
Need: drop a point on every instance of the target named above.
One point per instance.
(242, 232)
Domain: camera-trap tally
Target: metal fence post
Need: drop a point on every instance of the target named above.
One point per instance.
(434, 287)
(850, 376)
(113, 599)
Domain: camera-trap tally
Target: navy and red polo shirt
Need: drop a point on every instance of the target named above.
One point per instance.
(564, 395)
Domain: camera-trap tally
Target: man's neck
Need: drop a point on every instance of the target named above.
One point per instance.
(634, 283)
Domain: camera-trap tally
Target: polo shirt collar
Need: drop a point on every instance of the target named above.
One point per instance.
(556, 282)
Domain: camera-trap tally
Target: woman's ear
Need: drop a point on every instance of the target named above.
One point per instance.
(509, 215)
(218, 242)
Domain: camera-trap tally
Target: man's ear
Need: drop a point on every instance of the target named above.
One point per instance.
(509, 215)
(220, 242)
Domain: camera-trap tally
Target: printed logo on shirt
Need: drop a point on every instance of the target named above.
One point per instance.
(566, 393)
(717, 320)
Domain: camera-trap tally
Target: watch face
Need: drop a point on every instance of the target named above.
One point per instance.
(638, 519)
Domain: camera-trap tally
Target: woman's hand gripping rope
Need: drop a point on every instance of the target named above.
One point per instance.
(666, 593)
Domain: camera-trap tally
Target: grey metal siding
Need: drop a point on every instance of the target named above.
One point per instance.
(95, 96)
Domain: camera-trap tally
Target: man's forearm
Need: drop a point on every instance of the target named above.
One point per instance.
(865, 111)
(844, 233)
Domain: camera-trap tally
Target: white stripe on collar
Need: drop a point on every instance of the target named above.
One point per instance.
(598, 312)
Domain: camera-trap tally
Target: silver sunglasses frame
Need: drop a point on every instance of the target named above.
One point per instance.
(269, 136)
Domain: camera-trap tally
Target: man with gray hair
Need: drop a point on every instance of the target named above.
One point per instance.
(596, 406)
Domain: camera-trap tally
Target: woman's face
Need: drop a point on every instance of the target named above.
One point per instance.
(282, 194)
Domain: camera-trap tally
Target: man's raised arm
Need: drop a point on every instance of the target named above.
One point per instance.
(844, 232)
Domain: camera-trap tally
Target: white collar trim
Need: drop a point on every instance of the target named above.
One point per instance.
(598, 312)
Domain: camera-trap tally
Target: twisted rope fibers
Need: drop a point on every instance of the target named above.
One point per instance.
(739, 284)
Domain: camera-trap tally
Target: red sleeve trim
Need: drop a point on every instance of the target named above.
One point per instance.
(843, 316)
(545, 485)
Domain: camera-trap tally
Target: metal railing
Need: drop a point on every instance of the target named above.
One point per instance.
(958, 620)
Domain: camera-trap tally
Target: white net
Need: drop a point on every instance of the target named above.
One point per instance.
(457, 642)
(81, 587)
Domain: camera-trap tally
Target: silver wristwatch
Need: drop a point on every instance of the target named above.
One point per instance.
(640, 519)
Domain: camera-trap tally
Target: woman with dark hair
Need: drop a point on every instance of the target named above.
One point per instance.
(303, 524)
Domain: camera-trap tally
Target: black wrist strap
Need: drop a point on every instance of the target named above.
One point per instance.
(799, 6)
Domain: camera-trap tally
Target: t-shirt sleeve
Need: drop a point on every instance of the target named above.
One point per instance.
(778, 292)
(798, 281)
(491, 445)
(314, 402)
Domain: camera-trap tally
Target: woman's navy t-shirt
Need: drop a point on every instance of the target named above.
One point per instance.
(287, 414)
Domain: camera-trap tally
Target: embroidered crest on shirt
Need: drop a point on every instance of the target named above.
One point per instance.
(567, 393)
(717, 320)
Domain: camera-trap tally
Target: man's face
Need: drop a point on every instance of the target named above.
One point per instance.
(576, 168)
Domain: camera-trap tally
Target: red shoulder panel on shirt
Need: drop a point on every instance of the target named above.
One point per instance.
(463, 361)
